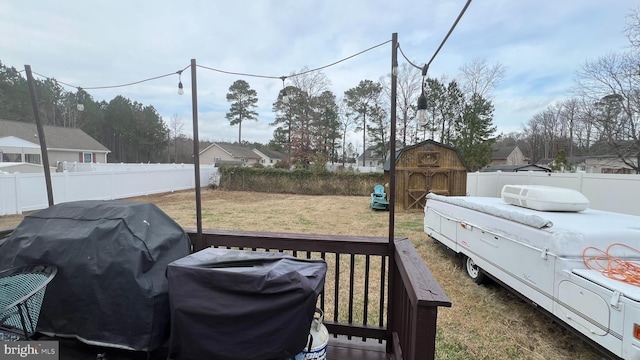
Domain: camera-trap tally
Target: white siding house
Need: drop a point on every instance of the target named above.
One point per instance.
(19, 142)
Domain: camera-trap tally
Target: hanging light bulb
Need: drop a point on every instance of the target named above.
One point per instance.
(180, 88)
(285, 97)
(422, 101)
(80, 105)
(422, 109)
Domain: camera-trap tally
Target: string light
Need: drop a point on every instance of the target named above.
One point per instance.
(422, 100)
(285, 96)
(80, 105)
(179, 72)
(180, 88)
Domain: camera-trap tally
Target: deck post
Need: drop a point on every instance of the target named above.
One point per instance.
(392, 186)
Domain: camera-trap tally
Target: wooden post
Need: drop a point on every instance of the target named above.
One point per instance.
(41, 137)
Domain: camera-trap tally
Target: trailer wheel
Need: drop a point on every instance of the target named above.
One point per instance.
(474, 271)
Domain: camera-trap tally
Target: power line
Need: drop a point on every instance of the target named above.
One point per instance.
(453, 26)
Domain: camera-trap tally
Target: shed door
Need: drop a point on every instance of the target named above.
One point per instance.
(418, 183)
(417, 187)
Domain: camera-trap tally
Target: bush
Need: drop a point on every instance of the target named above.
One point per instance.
(298, 181)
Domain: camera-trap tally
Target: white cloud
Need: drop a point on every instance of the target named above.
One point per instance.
(542, 43)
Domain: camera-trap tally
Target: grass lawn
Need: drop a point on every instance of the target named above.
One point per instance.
(485, 322)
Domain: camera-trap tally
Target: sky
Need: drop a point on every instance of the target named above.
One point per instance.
(100, 43)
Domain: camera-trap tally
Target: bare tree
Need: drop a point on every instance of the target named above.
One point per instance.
(347, 123)
(408, 91)
(312, 83)
(175, 129)
(632, 29)
(612, 83)
(479, 77)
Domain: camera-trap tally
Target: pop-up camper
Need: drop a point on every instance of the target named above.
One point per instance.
(580, 265)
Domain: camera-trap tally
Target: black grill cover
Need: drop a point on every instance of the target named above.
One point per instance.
(233, 304)
(112, 256)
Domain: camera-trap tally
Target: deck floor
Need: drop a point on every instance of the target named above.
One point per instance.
(339, 349)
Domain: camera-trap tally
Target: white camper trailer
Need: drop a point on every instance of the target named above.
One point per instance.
(560, 259)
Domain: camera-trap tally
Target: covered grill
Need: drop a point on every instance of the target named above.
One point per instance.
(112, 257)
(233, 304)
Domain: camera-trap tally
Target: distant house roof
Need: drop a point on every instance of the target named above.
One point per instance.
(235, 151)
(57, 138)
(502, 152)
(387, 164)
(516, 168)
(271, 153)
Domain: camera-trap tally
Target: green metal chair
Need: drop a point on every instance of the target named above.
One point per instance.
(22, 291)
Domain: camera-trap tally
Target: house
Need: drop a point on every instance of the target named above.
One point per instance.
(269, 157)
(218, 153)
(507, 155)
(19, 142)
(607, 164)
(371, 157)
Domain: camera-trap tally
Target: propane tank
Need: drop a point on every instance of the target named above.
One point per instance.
(316, 348)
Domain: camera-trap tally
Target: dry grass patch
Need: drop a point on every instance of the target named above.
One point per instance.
(485, 322)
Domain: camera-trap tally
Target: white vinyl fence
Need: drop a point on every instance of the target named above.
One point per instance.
(27, 192)
(609, 192)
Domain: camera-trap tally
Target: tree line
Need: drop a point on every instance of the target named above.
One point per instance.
(311, 123)
(134, 132)
(599, 116)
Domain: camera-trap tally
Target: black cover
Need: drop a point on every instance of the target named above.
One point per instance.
(233, 304)
(112, 258)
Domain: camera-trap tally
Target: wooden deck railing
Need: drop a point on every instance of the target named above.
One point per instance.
(358, 276)
(354, 300)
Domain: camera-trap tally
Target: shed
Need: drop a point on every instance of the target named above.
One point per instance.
(428, 166)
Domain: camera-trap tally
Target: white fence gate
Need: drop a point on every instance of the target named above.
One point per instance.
(609, 192)
(27, 192)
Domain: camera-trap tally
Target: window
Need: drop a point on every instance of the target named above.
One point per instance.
(32, 158)
(87, 157)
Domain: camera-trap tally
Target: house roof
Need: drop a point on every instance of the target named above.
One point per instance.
(236, 151)
(271, 153)
(502, 152)
(387, 163)
(372, 153)
(516, 168)
(57, 138)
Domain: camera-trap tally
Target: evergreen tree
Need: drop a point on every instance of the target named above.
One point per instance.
(474, 132)
(362, 101)
(242, 99)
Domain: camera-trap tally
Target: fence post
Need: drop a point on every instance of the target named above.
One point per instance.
(16, 184)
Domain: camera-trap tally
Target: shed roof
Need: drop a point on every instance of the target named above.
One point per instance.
(387, 163)
(56, 137)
